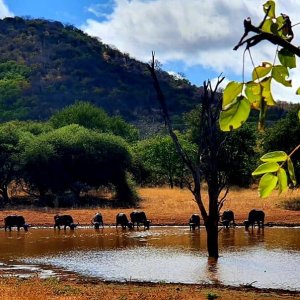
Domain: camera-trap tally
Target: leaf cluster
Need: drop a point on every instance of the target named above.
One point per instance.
(274, 175)
(240, 97)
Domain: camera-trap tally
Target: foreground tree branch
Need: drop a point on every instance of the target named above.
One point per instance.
(263, 36)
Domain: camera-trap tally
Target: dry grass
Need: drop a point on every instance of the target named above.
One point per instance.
(37, 289)
(174, 207)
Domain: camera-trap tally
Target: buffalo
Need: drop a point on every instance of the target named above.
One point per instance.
(139, 217)
(227, 218)
(121, 219)
(194, 221)
(17, 221)
(64, 220)
(255, 216)
(97, 221)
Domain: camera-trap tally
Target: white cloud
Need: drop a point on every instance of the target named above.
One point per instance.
(4, 11)
(100, 10)
(197, 32)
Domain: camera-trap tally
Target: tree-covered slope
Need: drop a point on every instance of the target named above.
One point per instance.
(45, 65)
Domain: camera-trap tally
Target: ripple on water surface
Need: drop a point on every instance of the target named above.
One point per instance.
(261, 267)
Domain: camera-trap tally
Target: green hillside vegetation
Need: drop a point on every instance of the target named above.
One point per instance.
(46, 65)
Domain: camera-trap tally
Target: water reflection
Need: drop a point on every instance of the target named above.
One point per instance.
(212, 270)
(255, 236)
(195, 240)
(174, 254)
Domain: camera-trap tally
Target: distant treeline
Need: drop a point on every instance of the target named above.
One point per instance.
(81, 149)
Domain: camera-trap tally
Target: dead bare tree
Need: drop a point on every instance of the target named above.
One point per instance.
(206, 166)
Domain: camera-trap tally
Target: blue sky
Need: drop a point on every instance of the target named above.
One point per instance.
(194, 37)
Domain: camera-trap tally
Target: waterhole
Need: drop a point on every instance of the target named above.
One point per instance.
(268, 258)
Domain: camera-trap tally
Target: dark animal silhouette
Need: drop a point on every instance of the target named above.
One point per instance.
(255, 216)
(64, 220)
(227, 218)
(97, 221)
(18, 221)
(139, 217)
(121, 219)
(194, 221)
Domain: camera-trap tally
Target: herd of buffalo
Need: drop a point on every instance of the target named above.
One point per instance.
(137, 218)
(227, 219)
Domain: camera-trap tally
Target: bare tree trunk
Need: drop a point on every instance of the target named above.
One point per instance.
(207, 161)
(212, 238)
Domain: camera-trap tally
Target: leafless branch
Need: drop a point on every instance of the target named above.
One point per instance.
(166, 116)
(222, 200)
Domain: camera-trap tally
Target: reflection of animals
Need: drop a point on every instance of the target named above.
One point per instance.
(17, 221)
(64, 220)
(255, 216)
(227, 218)
(97, 220)
(194, 221)
(121, 219)
(139, 217)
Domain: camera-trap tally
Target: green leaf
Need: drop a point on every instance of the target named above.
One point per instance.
(274, 156)
(270, 4)
(274, 28)
(266, 168)
(253, 91)
(280, 73)
(299, 114)
(235, 115)
(287, 58)
(298, 91)
(279, 22)
(266, 92)
(282, 180)
(291, 171)
(267, 26)
(261, 71)
(231, 91)
(267, 184)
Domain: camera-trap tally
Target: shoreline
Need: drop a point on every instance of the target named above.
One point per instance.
(64, 277)
(81, 289)
(249, 288)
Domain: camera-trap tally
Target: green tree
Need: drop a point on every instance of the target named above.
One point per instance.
(84, 114)
(284, 135)
(161, 162)
(9, 158)
(73, 157)
(89, 116)
(12, 140)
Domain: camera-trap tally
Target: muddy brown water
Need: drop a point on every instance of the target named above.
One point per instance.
(268, 258)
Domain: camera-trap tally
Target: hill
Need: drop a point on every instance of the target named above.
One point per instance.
(45, 65)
